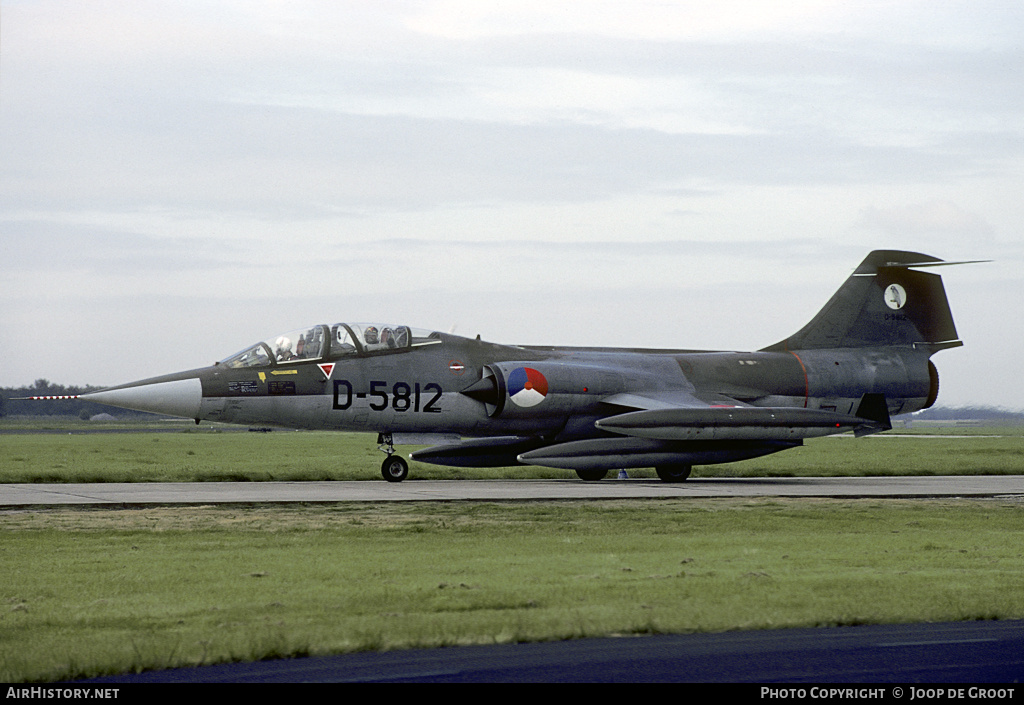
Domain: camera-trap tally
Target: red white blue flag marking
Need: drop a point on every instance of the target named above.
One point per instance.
(527, 387)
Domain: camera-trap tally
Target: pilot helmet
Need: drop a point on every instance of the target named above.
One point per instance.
(282, 345)
(370, 335)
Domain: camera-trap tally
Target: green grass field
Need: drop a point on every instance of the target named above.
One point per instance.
(90, 591)
(205, 454)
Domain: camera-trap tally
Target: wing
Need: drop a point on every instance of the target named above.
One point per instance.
(656, 429)
(672, 399)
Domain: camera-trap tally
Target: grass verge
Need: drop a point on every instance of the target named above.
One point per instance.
(212, 455)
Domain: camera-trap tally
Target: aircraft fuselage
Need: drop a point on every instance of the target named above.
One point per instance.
(863, 357)
(422, 390)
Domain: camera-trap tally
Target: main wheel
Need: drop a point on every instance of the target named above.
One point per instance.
(394, 468)
(591, 475)
(673, 473)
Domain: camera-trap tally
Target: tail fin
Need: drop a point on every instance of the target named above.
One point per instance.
(884, 302)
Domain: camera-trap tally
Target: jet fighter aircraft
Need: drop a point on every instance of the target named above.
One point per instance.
(863, 357)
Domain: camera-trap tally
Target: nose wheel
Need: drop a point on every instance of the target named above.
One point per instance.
(394, 468)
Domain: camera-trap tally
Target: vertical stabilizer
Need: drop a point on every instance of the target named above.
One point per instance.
(884, 302)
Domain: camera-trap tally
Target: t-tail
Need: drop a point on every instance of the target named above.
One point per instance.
(885, 302)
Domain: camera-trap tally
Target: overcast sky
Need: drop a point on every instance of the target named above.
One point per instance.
(181, 179)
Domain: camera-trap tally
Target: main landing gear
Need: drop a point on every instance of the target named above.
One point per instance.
(673, 473)
(394, 468)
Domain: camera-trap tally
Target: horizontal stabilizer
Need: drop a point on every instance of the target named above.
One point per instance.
(731, 423)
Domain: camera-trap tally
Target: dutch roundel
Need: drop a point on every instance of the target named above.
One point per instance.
(527, 387)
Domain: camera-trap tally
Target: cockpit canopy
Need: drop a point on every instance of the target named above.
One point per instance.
(330, 343)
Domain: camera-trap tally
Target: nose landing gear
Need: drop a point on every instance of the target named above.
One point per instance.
(394, 468)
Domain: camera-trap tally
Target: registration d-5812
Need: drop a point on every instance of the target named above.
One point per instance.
(400, 396)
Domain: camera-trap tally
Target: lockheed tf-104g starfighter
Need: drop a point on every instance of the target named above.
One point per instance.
(863, 357)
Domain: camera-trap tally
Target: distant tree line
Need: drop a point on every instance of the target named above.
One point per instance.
(969, 413)
(10, 405)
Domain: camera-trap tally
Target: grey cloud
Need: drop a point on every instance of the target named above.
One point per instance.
(936, 218)
(265, 160)
(61, 247)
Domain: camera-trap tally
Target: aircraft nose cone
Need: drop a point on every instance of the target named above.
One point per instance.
(181, 397)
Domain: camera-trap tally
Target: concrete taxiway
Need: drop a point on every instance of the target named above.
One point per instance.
(143, 493)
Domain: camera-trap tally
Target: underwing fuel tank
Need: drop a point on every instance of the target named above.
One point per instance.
(603, 453)
(739, 423)
(495, 452)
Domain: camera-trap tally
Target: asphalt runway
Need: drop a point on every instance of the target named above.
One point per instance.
(976, 653)
(143, 493)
